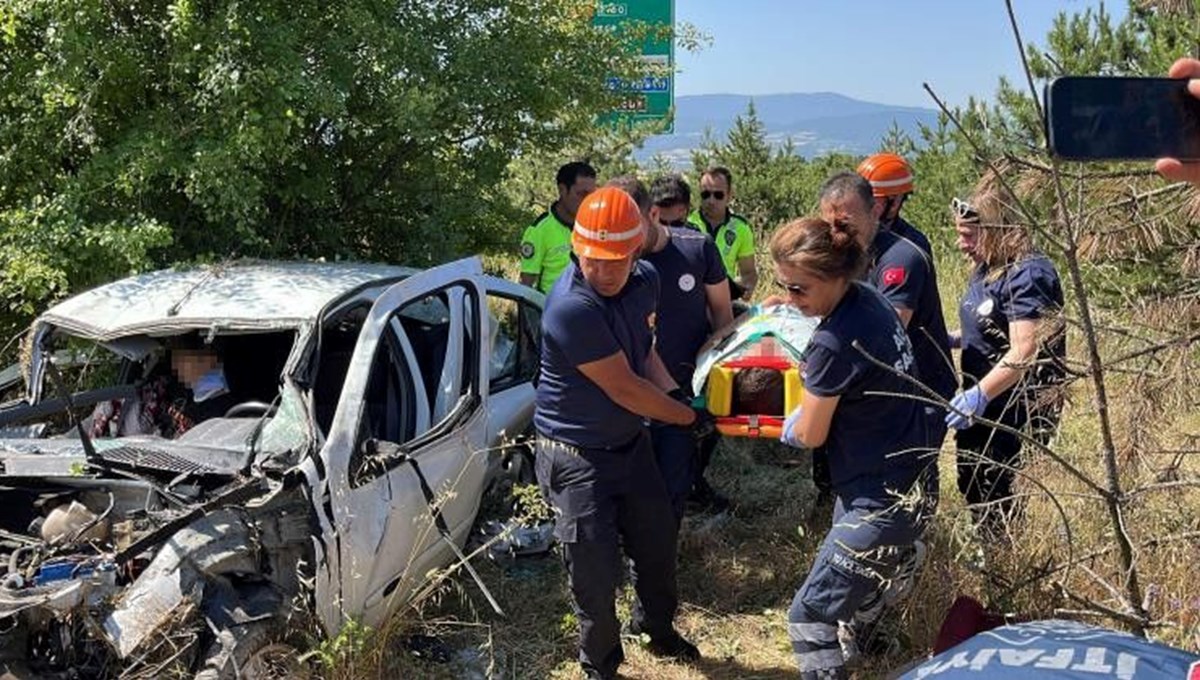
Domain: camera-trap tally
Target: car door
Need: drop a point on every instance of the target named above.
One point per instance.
(411, 408)
(514, 350)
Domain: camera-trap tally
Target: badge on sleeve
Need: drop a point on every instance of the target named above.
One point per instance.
(730, 237)
(527, 250)
(893, 276)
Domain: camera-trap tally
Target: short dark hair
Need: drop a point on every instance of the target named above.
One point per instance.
(847, 183)
(571, 172)
(670, 190)
(721, 171)
(635, 188)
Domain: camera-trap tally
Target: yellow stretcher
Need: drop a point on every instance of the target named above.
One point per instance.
(718, 395)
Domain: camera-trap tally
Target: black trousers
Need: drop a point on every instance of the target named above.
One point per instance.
(606, 499)
(676, 454)
(988, 461)
(704, 453)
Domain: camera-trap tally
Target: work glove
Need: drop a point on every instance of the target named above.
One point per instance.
(704, 424)
(970, 403)
(788, 435)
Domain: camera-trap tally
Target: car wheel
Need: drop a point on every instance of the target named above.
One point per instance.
(269, 647)
(262, 651)
(517, 466)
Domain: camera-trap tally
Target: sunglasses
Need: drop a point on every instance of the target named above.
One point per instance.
(963, 210)
(719, 195)
(793, 288)
(681, 222)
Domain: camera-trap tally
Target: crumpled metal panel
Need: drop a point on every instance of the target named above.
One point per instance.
(217, 544)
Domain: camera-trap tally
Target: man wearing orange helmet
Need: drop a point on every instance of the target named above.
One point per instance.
(891, 182)
(600, 380)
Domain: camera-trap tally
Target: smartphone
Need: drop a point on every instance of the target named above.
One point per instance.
(1116, 118)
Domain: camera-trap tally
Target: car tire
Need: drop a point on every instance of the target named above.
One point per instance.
(268, 648)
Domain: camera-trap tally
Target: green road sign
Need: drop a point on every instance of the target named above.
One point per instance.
(651, 97)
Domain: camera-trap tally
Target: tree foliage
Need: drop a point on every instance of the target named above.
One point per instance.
(135, 134)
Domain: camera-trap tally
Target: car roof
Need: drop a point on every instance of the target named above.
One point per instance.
(236, 296)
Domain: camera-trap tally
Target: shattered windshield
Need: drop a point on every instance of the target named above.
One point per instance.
(165, 387)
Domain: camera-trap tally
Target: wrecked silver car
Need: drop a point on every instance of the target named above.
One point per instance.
(361, 413)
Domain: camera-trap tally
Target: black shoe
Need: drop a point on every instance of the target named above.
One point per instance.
(673, 646)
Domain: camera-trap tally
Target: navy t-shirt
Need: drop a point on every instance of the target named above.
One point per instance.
(902, 227)
(878, 442)
(1025, 289)
(906, 277)
(687, 264)
(580, 326)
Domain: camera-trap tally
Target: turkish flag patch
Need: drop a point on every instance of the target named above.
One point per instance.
(893, 276)
(1194, 671)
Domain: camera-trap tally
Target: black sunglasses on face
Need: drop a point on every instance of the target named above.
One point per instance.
(681, 222)
(963, 210)
(719, 195)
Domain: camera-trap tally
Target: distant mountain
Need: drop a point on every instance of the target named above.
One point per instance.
(817, 122)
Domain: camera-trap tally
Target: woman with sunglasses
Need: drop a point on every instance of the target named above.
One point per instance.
(1013, 348)
(859, 403)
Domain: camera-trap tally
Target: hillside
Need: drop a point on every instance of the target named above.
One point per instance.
(816, 122)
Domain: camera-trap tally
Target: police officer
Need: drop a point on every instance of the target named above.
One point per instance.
(892, 182)
(904, 274)
(600, 379)
(546, 244)
(730, 231)
(694, 298)
(885, 489)
(1013, 351)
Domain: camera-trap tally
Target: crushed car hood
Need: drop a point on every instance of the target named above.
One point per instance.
(219, 449)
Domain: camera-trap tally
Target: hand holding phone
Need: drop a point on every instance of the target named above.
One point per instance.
(1173, 168)
(1122, 118)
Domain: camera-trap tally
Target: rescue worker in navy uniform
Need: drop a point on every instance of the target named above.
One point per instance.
(892, 183)
(1013, 350)
(904, 274)
(885, 490)
(693, 299)
(600, 380)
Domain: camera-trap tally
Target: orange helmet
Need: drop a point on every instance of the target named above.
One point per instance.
(888, 174)
(608, 226)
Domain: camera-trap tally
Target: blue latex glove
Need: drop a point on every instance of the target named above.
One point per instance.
(971, 403)
(789, 425)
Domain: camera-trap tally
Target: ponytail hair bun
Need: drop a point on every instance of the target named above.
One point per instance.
(827, 251)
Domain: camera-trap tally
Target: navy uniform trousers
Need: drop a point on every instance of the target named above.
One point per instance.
(863, 551)
(676, 452)
(605, 499)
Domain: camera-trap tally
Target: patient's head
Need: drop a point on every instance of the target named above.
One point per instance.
(758, 391)
(190, 365)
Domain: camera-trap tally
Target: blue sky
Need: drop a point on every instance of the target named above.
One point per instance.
(876, 50)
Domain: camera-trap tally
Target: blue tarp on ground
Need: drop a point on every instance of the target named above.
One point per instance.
(1064, 650)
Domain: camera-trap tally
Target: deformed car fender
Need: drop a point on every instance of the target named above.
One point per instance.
(219, 544)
